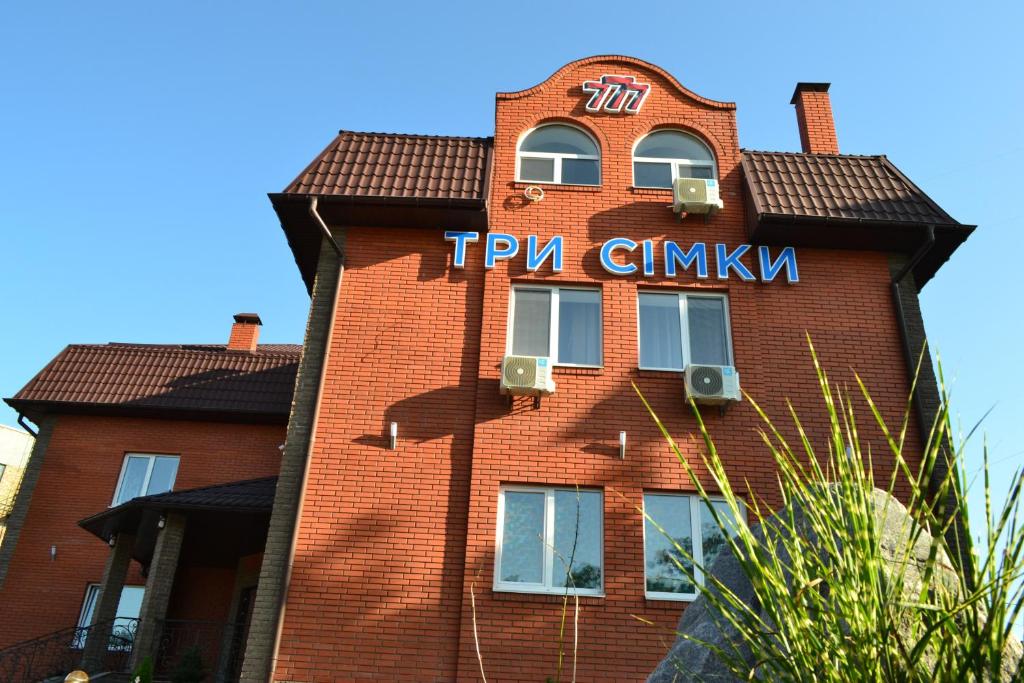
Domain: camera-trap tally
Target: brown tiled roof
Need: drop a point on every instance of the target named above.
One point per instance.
(251, 494)
(836, 187)
(389, 165)
(146, 377)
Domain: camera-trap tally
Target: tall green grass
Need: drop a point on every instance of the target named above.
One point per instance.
(830, 603)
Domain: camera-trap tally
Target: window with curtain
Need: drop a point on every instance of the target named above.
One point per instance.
(665, 155)
(561, 323)
(561, 154)
(549, 540)
(678, 329)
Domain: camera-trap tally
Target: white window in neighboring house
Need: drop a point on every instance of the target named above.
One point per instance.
(678, 328)
(665, 155)
(550, 540)
(123, 628)
(561, 323)
(686, 520)
(559, 154)
(145, 475)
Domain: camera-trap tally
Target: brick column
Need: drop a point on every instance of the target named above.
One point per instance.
(273, 584)
(159, 582)
(106, 603)
(24, 498)
(927, 404)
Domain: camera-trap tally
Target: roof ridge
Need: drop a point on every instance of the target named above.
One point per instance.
(432, 136)
(744, 150)
(269, 348)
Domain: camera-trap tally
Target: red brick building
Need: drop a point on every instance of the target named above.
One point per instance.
(409, 483)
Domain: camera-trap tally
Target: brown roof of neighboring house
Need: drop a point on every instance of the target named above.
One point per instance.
(833, 186)
(143, 378)
(398, 166)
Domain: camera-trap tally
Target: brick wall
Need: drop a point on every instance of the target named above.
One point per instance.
(390, 542)
(843, 301)
(78, 474)
(376, 587)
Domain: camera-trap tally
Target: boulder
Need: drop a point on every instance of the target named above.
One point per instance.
(690, 661)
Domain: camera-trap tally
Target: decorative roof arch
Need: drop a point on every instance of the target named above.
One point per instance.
(631, 61)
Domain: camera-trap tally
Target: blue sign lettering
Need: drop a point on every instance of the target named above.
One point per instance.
(553, 248)
(493, 252)
(674, 254)
(727, 261)
(460, 239)
(769, 268)
(606, 256)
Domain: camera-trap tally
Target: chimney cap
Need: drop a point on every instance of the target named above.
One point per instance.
(808, 87)
(248, 318)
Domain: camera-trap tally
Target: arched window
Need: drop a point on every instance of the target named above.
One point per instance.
(665, 155)
(558, 153)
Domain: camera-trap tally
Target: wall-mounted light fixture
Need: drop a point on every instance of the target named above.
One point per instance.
(393, 439)
(112, 540)
(622, 445)
(161, 522)
(53, 553)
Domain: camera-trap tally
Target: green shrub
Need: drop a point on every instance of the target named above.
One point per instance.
(144, 672)
(190, 667)
(828, 607)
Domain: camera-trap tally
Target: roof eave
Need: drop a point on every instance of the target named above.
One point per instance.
(35, 409)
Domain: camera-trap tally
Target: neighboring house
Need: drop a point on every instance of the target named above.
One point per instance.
(15, 446)
(392, 500)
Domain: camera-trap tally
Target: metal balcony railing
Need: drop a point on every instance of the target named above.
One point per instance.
(57, 653)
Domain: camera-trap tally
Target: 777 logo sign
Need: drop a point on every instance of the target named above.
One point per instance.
(616, 94)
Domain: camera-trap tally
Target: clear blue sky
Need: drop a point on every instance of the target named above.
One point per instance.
(138, 140)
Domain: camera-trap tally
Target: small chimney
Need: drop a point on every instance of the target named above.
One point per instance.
(245, 333)
(814, 117)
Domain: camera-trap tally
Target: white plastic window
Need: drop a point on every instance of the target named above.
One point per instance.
(666, 155)
(677, 329)
(561, 323)
(145, 475)
(558, 154)
(550, 540)
(127, 610)
(685, 521)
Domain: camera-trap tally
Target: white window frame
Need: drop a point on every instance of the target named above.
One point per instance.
(557, 156)
(93, 590)
(695, 535)
(673, 163)
(684, 325)
(149, 472)
(549, 551)
(553, 330)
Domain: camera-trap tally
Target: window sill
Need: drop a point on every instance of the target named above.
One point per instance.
(555, 187)
(658, 372)
(578, 370)
(652, 191)
(668, 597)
(556, 593)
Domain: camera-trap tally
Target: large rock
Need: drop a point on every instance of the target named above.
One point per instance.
(689, 661)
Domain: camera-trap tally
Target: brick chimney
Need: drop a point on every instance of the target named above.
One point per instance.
(245, 333)
(814, 117)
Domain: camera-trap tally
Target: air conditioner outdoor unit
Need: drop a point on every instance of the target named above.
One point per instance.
(712, 384)
(696, 195)
(526, 376)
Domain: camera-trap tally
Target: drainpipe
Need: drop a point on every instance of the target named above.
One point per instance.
(24, 425)
(323, 227)
(926, 246)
